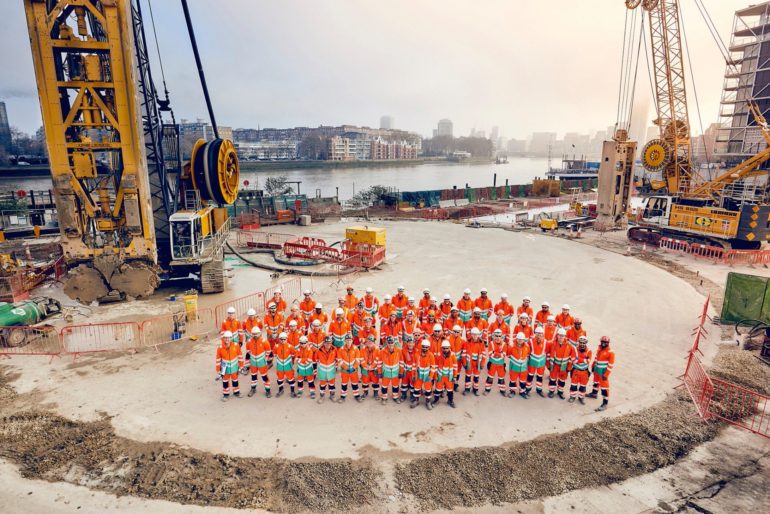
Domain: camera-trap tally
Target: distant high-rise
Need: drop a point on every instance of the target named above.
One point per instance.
(5, 129)
(445, 128)
(494, 134)
(387, 122)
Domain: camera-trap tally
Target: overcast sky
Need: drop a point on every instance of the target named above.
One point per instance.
(525, 65)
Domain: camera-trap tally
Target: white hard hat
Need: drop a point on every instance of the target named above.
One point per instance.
(565, 307)
(551, 317)
(401, 288)
(256, 331)
(546, 304)
(467, 291)
(433, 299)
(231, 310)
(339, 311)
(527, 299)
(426, 290)
(271, 305)
(316, 322)
(539, 330)
(306, 292)
(524, 315)
(425, 343)
(293, 323)
(283, 335)
(583, 338)
(520, 336)
(504, 296)
(303, 339)
(369, 290)
(483, 289)
(457, 328)
(251, 312)
(445, 344)
(475, 331)
(319, 306)
(436, 327)
(561, 332)
(499, 332)
(294, 308)
(387, 297)
(411, 299)
(447, 297)
(278, 291)
(477, 309)
(227, 334)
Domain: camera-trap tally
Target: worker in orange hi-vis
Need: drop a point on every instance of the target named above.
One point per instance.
(559, 364)
(523, 326)
(307, 305)
(453, 319)
(391, 371)
(604, 361)
(231, 324)
(356, 319)
(446, 374)
(473, 360)
(496, 353)
(341, 304)
(284, 363)
(278, 300)
(425, 374)
(251, 321)
(465, 306)
(411, 306)
(550, 328)
(525, 307)
(338, 328)
(580, 371)
(370, 357)
(365, 333)
(433, 306)
(538, 352)
(400, 301)
(542, 315)
(349, 362)
(410, 324)
(445, 309)
(386, 309)
(320, 315)
(326, 362)
(305, 359)
(293, 334)
(457, 343)
(505, 306)
(258, 351)
(273, 324)
(408, 355)
(296, 315)
(478, 322)
(430, 320)
(350, 299)
(371, 303)
(391, 328)
(518, 361)
(424, 305)
(575, 331)
(435, 339)
(564, 319)
(501, 325)
(316, 335)
(229, 360)
(484, 303)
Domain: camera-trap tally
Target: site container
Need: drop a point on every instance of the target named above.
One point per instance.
(366, 235)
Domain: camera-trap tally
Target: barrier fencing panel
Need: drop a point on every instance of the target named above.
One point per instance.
(291, 291)
(178, 327)
(258, 239)
(698, 385)
(101, 337)
(740, 407)
(42, 340)
(254, 301)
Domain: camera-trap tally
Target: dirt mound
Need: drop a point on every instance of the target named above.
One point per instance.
(597, 454)
(743, 368)
(53, 448)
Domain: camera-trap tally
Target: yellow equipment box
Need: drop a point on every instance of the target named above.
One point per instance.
(366, 235)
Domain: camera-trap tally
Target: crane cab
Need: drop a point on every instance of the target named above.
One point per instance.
(657, 209)
(191, 233)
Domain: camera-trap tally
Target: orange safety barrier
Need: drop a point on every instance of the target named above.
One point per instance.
(254, 301)
(178, 327)
(740, 407)
(303, 247)
(258, 239)
(702, 251)
(674, 245)
(363, 255)
(42, 340)
(100, 337)
(698, 385)
(716, 253)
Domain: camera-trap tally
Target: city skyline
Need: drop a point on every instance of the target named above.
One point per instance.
(511, 84)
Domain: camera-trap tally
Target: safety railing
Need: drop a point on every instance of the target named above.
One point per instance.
(698, 384)
(100, 337)
(178, 327)
(42, 340)
(258, 239)
(716, 254)
(254, 301)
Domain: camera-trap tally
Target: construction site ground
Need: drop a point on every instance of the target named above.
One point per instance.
(147, 431)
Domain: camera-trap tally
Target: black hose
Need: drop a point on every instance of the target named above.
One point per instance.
(290, 271)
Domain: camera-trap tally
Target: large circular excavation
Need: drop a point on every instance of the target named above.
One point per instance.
(172, 396)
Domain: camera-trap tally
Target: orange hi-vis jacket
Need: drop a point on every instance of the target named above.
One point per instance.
(496, 353)
(293, 338)
(298, 318)
(445, 309)
(451, 321)
(538, 353)
(370, 359)
(522, 308)
(273, 324)
(603, 362)
(306, 307)
(410, 327)
(479, 323)
(549, 332)
(351, 301)
(503, 326)
(322, 317)
(231, 324)
(413, 309)
(408, 358)
(507, 308)
(280, 304)
(565, 321)
(229, 359)
(316, 338)
(465, 308)
(259, 351)
(386, 309)
(424, 305)
(485, 304)
(284, 356)
(338, 329)
(364, 334)
(561, 356)
(348, 359)
(542, 316)
(248, 325)
(356, 320)
(435, 343)
(424, 366)
(400, 301)
(371, 305)
(304, 359)
(391, 365)
(446, 367)
(582, 360)
(391, 329)
(473, 355)
(518, 358)
(327, 363)
(427, 325)
(573, 334)
(456, 343)
(526, 329)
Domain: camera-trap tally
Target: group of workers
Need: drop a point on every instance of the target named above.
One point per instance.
(409, 350)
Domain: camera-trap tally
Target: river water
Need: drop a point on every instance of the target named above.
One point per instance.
(351, 180)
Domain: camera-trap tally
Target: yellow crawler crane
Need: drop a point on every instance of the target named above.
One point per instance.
(119, 183)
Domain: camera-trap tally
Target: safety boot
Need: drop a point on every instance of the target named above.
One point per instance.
(571, 399)
(225, 398)
(293, 394)
(601, 407)
(428, 404)
(252, 392)
(475, 392)
(331, 398)
(452, 400)
(312, 395)
(268, 394)
(540, 393)
(524, 395)
(550, 394)
(486, 392)
(413, 403)
(359, 399)
(582, 401)
(592, 394)
(321, 398)
(560, 394)
(280, 392)
(341, 400)
(502, 393)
